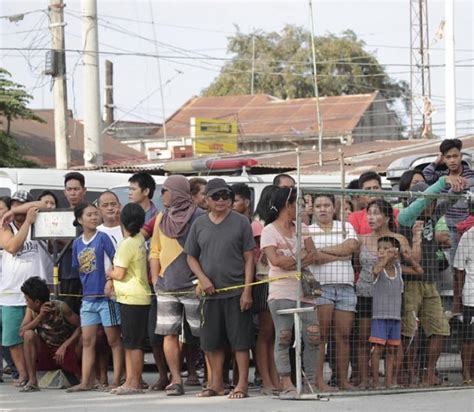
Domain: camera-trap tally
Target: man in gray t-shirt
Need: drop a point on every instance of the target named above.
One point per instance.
(219, 251)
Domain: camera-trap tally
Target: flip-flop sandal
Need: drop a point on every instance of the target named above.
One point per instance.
(288, 394)
(270, 391)
(21, 383)
(103, 387)
(121, 390)
(238, 395)
(175, 389)
(74, 389)
(29, 388)
(209, 393)
(192, 382)
(158, 387)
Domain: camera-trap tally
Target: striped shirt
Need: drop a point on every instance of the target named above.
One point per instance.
(459, 211)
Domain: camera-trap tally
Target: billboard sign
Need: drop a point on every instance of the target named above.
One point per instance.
(211, 136)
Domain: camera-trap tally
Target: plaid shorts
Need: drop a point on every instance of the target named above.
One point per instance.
(171, 309)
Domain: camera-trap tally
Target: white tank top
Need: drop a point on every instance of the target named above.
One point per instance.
(29, 261)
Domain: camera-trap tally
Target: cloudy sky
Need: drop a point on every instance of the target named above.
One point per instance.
(188, 33)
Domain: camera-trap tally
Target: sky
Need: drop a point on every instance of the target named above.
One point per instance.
(188, 31)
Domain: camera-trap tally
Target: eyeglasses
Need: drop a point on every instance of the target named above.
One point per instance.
(220, 195)
(163, 191)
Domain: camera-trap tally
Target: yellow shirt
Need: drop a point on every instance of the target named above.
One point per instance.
(133, 289)
(162, 247)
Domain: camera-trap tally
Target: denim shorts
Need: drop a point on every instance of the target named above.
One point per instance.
(342, 296)
(100, 312)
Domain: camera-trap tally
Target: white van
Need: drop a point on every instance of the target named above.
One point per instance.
(309, 183)
(37, 180)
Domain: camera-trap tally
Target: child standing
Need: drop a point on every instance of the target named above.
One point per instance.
(92, 253)
(130, 282)
(464, 263)
(386, 310)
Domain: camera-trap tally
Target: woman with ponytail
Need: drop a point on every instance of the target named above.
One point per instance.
(130, 283)
(279, 243)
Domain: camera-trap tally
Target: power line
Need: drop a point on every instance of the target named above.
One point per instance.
(185, 27)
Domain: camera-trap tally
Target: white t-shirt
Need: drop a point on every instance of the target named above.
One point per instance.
(114, 233)
(27, 262)
(340, 271)
(464, 260)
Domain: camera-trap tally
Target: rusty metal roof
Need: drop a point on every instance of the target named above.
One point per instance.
(36, 141)
(358, 157)
(263, 115)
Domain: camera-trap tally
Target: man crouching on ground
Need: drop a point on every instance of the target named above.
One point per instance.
(50, 331)
(220, 249)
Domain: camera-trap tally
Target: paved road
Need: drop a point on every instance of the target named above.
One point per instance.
(53, 399)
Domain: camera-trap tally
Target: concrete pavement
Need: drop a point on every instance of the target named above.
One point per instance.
(53, 399)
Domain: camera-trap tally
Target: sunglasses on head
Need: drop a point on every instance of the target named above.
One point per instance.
(290, 192)
(220, 195)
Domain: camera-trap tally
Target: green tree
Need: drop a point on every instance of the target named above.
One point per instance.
(283, 66)
(13, 105)
(10, 156)
(14, 100)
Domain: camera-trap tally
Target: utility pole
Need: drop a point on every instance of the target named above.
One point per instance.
(450, 78)
(158, 65)
(109, 93)
(252, 82)
(90, 58)
(61, 138)
(420, 79)
(316, 91)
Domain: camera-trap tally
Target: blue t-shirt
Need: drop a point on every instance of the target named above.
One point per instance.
(92, 259)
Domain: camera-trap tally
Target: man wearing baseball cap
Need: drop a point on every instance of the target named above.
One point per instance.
(220, 252)
(22, 259)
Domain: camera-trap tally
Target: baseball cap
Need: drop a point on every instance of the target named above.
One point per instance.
(22, 196)
(217, 185)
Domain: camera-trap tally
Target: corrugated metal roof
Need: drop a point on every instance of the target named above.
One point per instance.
(358, 157)
(262, 115)
(36, 141)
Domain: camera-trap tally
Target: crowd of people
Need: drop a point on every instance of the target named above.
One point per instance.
(207, 278)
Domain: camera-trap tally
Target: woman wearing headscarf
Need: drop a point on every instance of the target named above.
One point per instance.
(172, 278)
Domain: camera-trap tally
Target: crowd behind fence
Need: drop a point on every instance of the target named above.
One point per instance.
(387, 280)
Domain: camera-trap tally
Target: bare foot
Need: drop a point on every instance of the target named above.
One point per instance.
(80, 388)
(347, 387)
(326, 388)
(362, 385)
